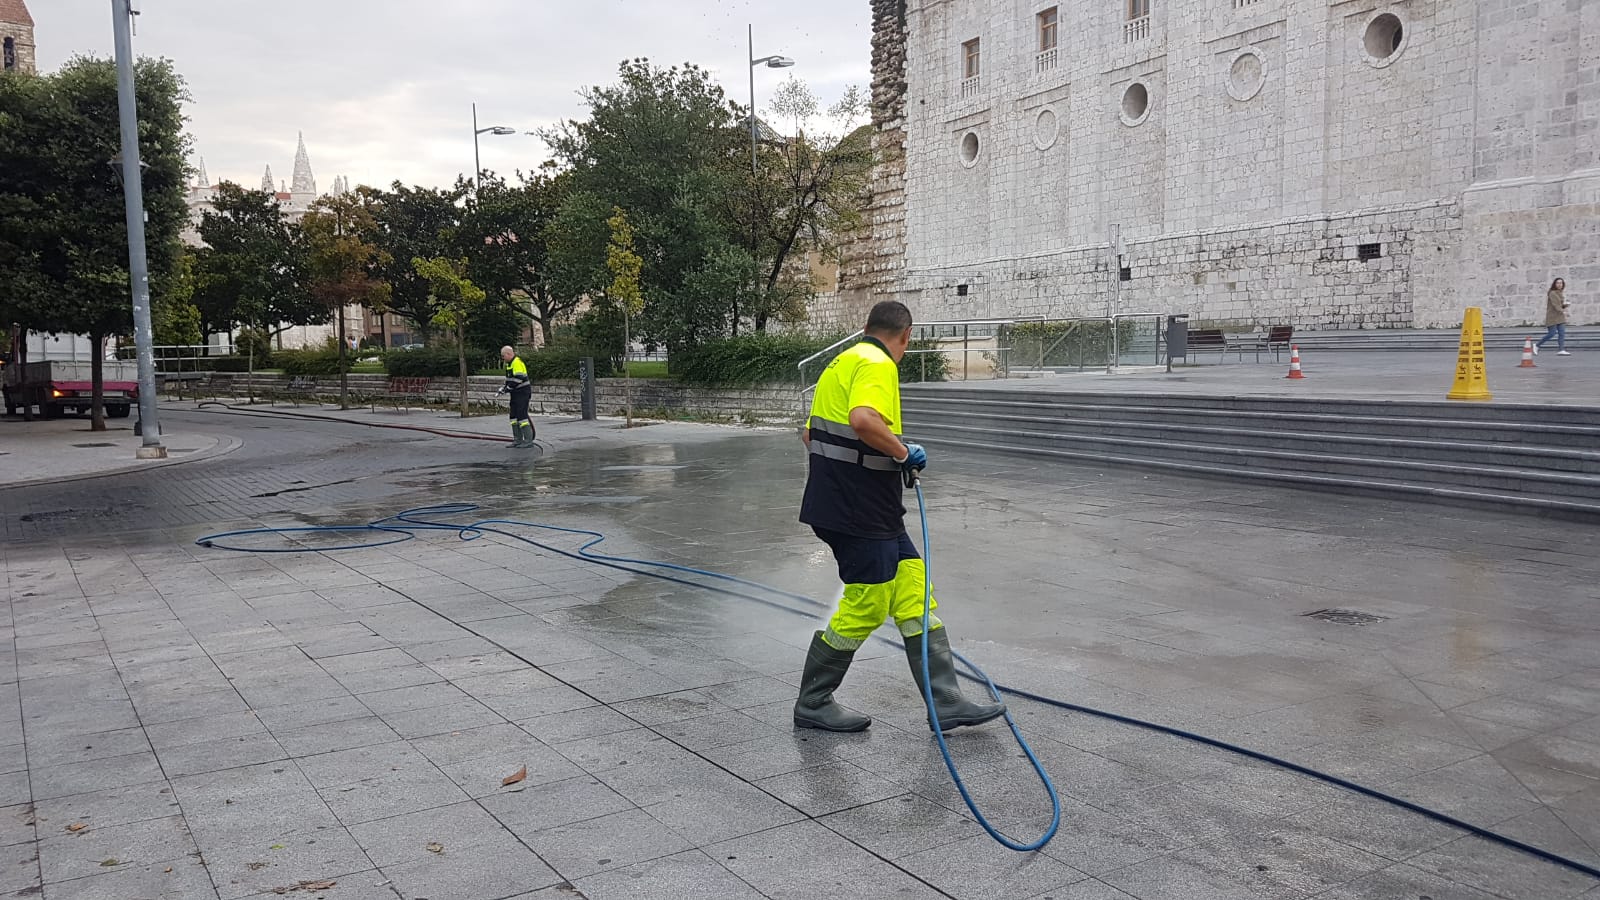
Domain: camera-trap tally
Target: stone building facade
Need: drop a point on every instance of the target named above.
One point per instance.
(1326, 163)
(16, 38)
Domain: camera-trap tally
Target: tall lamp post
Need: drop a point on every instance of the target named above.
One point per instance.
(771, 62)
(477, 163)
(122, 13)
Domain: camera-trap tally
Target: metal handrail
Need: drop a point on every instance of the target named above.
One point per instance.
(805, 387)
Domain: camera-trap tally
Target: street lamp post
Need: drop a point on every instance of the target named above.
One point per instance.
(771, 62)
(122, 13)
(477, 163)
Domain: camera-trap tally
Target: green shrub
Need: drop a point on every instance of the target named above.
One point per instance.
(308, 362)
(252, 337)
(557, 363)
(924, 366)
(436, 362)
(749, 359)
(232, 364)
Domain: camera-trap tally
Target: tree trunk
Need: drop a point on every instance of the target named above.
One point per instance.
(546, 332)
(461, 356)
(627, 379)
(344, 368)
(97, 382)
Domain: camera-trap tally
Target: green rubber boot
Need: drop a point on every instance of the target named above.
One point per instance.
(825, 668)
(954, 710)
(516, 436)
(527, 436)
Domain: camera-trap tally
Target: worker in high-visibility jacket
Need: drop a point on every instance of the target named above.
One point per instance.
(853, 501)
(521, 390)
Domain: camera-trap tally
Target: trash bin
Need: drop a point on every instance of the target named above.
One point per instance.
(1177, 339)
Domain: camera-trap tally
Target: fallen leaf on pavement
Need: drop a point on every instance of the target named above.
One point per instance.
(306, 886)
(110, 862)
(435, 847)
(167, 871)
(514, 777)
(76, 827)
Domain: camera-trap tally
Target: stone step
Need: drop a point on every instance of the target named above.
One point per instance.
(1557, 506)
(1428, 447)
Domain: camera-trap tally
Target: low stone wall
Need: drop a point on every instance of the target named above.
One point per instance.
(651, 396)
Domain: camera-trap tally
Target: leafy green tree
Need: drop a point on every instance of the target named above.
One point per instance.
(454, 300)
(507, 232)
(625, 267)
(664, 145)
(409, 223)
(807, 196)
(252, 270)
(63, 234)
(174, 318)
(340, 263)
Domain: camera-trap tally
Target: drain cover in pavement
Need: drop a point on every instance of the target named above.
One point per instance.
(1345, 617)
(88, 446)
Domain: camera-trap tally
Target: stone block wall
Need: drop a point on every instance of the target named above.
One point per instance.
(1243, 151)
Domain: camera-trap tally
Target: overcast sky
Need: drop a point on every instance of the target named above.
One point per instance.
(383, 89)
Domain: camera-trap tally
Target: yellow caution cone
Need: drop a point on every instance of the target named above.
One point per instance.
(1472, 376)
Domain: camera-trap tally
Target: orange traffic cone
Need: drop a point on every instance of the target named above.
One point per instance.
(1294, 362)
(1527, 355)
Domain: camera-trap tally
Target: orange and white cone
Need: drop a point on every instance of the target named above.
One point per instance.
(1294, 362)
(1527, 355)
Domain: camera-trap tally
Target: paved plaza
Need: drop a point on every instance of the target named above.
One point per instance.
(185, 722)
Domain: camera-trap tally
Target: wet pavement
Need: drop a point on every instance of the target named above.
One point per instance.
(177, 721)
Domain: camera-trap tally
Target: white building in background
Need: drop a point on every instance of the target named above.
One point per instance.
(294, 198)
(1326, 163)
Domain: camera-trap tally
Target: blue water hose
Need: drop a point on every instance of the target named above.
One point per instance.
(409, 521)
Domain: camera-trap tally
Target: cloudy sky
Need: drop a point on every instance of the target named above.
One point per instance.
(383, 89)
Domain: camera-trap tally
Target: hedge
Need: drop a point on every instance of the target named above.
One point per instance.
(562, 362)
(431, 362)
(309, 362)
(749, 359)
(774, 359)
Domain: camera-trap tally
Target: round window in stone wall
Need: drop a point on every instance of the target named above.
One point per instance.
(969, 149)
(1246, 74)
(1046, 128)
(1135, 104)
(1384, 38)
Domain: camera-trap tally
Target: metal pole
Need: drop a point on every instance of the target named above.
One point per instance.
(755, 266)
(344, 367)
(477, 162)
(133, 203)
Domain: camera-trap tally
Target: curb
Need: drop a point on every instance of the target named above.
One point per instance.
(225, 444)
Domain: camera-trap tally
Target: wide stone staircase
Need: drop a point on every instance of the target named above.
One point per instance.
(1534, 459)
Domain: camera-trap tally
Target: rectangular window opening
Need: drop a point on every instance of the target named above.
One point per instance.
(1138, 9)
(1125, 274)
(1048, 21)
(969, 59)
(1366, 252)
(961, 290)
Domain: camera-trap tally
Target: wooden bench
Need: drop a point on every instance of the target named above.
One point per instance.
(1277, 338)
(1208, 339)
(401, 390)
(300, 386)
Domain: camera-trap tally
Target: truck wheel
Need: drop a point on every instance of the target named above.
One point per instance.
(118, 410)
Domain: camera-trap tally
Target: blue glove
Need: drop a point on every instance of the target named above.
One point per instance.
(916, 458)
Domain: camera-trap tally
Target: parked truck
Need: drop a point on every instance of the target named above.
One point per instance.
(58, 387)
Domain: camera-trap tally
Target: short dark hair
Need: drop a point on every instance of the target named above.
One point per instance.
(888, 317)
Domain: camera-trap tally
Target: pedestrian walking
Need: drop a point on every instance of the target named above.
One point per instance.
(1555, 317)
(520, 387)
(853, 501)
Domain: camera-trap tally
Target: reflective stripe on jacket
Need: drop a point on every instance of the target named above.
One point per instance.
(851, 487)
(517, 375)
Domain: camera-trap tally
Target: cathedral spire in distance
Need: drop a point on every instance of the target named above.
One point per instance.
(304, 182)
(267, 184)
(201, 179)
